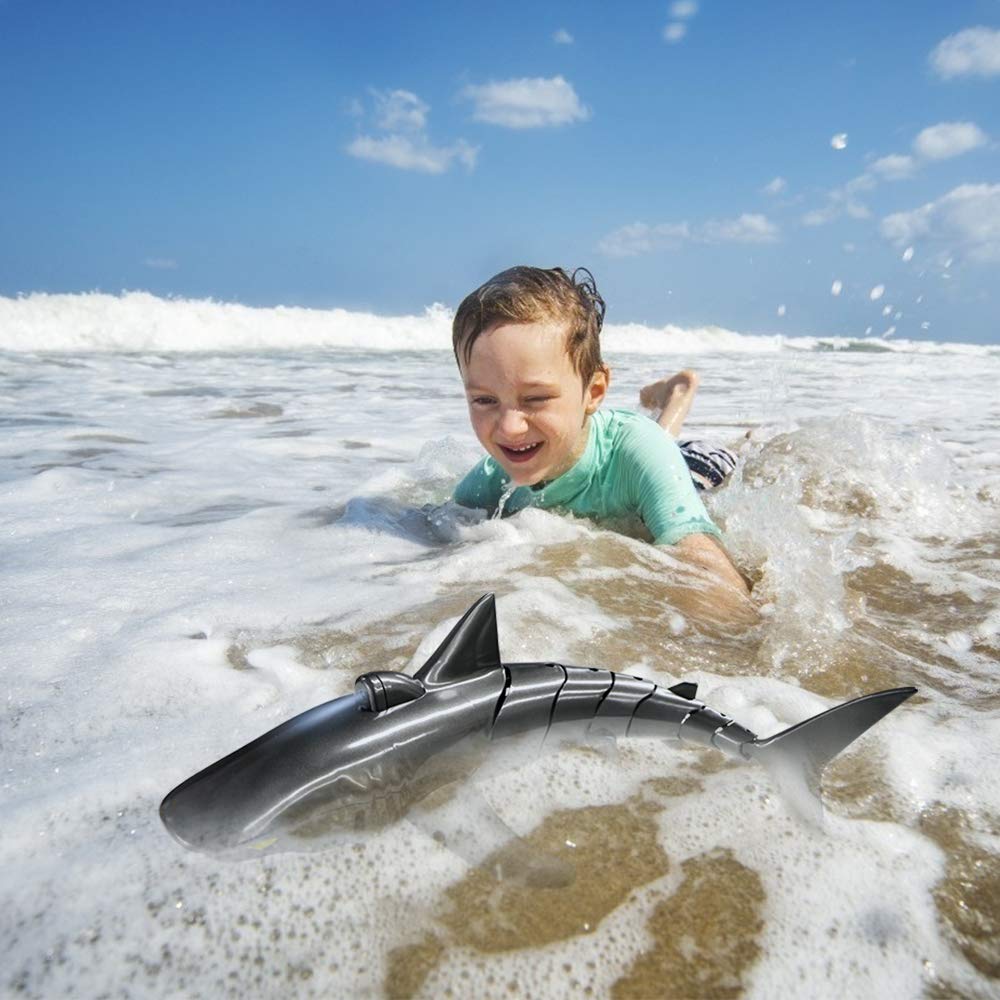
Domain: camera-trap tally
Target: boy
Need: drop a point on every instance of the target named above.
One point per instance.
(527, 343)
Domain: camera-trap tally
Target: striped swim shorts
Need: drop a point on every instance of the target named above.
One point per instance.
(709, 466)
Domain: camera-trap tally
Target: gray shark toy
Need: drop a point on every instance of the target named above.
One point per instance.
(366, 758)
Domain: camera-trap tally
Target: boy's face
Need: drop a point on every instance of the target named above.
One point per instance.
(527, 404)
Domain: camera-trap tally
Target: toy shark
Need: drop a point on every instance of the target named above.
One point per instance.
(365, 759)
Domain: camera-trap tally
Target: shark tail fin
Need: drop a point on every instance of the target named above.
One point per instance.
(796, 757)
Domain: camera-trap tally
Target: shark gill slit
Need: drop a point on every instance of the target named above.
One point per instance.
(555, 700)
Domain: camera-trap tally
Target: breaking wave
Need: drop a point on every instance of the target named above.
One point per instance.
(141, 322)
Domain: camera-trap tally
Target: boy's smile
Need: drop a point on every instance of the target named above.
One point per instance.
(527, 403)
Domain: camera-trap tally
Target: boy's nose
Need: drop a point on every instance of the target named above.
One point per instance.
(512, 422)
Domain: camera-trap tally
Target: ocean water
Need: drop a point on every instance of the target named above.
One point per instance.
(211, 519)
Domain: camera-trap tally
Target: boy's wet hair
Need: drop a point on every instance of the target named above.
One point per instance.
(532, 295)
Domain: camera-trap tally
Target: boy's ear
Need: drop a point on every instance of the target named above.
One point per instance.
(593, 394)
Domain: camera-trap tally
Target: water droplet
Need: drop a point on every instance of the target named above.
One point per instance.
(502, 502)
(876, 293)
(839, 141)
(836, 287)
(908, 254)
(781, 310)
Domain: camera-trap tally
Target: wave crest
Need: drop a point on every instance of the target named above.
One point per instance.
(141, 322)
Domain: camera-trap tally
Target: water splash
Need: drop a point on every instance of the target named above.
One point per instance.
(502, 502)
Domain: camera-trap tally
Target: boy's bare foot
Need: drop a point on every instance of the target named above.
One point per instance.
(673, 397)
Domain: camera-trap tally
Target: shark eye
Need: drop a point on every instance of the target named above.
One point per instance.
(387, 688)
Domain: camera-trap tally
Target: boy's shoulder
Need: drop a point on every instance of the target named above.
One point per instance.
(622, 419)
(620, 429)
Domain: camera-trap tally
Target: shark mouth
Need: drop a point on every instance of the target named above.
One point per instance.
(521, 454)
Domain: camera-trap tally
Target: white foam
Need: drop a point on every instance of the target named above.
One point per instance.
(138, 321)
(184, 569)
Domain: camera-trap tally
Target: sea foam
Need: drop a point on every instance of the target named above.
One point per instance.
(141, 322)
(198, 546)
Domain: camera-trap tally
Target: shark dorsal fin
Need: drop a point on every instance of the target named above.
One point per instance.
(471, 647)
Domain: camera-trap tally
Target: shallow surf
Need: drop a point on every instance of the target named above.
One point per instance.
(197, 546)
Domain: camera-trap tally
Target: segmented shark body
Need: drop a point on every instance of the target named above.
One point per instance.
(366, 758)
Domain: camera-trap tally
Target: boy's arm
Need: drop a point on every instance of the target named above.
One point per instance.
(719, 592)
(673, 512)
(707, 553)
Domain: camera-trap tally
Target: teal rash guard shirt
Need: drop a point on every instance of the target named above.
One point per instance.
(630, 466)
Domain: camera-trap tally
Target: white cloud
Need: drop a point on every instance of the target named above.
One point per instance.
(966, 218)
(413, 153)
(747, 228)
(820, 216)
(161, 263)
(641, 238)
(839, 141)
(563, 37)
(683, 9)
(674, 31)
(948, 139)
(894, 167)
(937, 142)
(400, 110)
(776, 186)
(843, 201)
(972, 52)
(526, 103)
(402, 116)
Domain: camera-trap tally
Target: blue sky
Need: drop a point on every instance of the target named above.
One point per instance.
(386, 156)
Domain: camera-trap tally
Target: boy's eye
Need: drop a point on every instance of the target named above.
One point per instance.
(538, 399)
(482, 400)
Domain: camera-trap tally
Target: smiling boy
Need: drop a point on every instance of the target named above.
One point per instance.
(527, 343)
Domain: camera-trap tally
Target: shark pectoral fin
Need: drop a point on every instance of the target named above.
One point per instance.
(466, 824)
(520, 863)
(604, 745)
